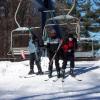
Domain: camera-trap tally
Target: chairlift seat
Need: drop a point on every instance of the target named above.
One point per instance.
(17, 51)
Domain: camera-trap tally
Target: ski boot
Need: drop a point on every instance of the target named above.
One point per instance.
(72, 73)
(39, 73)
(63, 73)
(50, 74)
(39, 69)
(58, 74)
(31, 72)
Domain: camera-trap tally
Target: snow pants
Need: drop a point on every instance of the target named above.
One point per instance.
(68, 57)
(51, 49)
(37, 61)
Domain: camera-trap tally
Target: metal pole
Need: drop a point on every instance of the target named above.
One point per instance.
(92, 47)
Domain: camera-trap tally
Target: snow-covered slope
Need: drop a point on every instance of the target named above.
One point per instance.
(14, 87)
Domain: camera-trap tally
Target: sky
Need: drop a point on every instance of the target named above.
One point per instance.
(14, 85)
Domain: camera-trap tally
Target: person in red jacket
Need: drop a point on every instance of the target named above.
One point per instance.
(69, 46)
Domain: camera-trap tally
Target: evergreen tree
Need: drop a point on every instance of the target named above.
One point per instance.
(90, 16)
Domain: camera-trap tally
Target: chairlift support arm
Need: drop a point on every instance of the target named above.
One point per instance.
(17, 12)
(72, 7)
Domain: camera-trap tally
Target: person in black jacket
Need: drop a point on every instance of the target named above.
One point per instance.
(69, 46)
(52, 46)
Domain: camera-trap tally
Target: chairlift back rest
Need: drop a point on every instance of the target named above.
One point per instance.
(84, 54)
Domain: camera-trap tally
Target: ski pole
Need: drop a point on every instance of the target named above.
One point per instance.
(56, 52)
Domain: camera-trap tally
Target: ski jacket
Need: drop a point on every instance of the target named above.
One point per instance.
(31, 47)
(69, 45)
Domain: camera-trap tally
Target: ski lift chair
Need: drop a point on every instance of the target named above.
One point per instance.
(84, 52)
(19, 40)
(64, 19)
(71, 21)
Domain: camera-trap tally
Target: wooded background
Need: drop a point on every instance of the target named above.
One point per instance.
(87, 10)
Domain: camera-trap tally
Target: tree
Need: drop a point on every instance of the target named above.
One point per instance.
(90, 15)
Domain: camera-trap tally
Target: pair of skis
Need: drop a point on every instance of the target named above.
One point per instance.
(63, 78)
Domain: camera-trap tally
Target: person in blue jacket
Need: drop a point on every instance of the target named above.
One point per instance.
(34, 55)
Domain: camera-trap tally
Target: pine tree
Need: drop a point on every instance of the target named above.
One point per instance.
(90, 16)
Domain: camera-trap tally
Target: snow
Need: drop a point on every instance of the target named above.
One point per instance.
(15, 87)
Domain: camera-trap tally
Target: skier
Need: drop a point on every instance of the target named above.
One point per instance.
(52, 46)
(34, 55)
(69, 46)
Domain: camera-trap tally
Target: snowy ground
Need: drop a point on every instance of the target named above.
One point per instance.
(14, 87)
